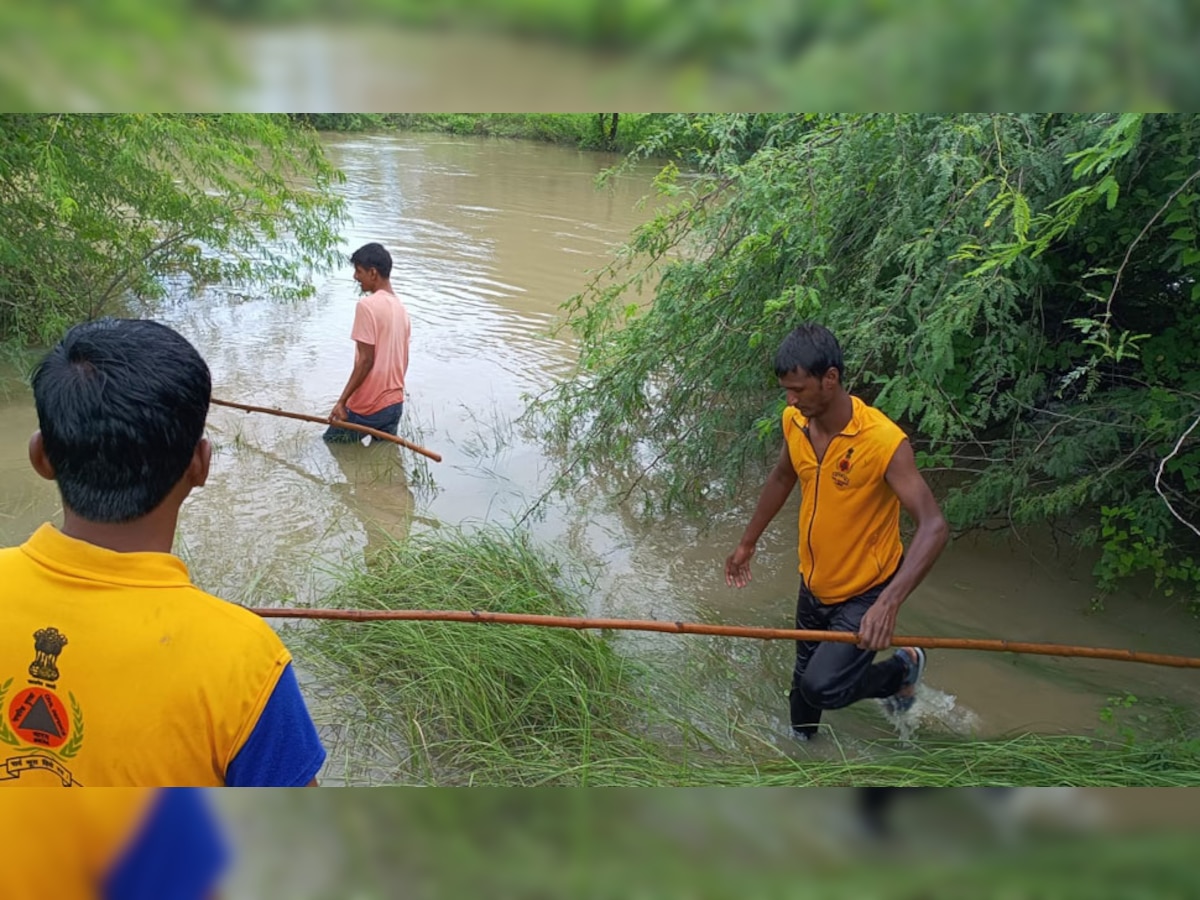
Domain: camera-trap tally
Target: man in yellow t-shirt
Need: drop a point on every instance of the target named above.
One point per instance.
(856, 469)
(374, 392)
(115, 670)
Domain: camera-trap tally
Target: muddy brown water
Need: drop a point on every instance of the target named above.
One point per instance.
(489, 237)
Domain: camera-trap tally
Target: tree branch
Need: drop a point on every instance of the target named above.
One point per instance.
(1129, 250)
(1158, 477)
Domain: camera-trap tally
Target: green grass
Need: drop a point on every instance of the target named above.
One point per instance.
(485, 704)
(457, 703)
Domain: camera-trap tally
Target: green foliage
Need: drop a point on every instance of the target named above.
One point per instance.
(1110, 716)
(1018, 291)
(1130, 547)
(345, 121)
(99, 207)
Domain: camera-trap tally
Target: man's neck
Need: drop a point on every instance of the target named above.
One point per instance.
(837, 416)
(153, 533)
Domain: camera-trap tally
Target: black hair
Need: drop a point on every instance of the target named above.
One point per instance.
(121, 405)
(810, 347)
(373, 256)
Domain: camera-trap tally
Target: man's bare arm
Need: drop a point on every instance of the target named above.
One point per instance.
(879, 622)
(774, 494)
(364, 361)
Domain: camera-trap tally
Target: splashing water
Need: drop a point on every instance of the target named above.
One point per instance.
(933, 709)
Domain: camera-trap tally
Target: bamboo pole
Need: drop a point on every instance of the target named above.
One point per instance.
(768, 634)
(374, 432)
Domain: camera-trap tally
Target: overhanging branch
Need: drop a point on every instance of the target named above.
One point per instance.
(1158, 477)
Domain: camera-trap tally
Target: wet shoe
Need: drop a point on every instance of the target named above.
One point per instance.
(914, 667)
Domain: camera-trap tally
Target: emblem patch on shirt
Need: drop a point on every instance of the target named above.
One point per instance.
(36, 721)
(841, 471)
(47, 644)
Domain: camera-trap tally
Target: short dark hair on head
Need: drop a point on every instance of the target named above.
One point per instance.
(810, 347)
(373, 256)
(121, 405)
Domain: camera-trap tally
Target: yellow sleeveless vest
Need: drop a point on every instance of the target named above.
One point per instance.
(849, 515)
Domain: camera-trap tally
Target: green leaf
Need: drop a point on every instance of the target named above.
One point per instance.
(1109, 187)
(1020, 216)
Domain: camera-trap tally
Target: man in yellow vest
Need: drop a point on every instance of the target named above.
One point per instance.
(115, 670)
(856, 469)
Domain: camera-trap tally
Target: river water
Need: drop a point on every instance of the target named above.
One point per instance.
(489, 237)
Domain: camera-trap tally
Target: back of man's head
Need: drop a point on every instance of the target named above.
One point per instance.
(121, 405)
(373, 256)
(812, 348)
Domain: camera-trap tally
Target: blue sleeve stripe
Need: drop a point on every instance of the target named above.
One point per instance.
(283, 750)
(178, 853)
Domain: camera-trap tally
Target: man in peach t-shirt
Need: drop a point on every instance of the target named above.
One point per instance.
(374, 393)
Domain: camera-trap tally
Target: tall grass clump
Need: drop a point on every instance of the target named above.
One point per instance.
(486, 704)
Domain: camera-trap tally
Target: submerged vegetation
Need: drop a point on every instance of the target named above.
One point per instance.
(485, 704)
(450, 703)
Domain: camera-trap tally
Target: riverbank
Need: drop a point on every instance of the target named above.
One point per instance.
(439, 703)
(615, 132)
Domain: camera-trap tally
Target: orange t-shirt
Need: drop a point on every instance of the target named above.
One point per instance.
(849, 515)
(381, 320)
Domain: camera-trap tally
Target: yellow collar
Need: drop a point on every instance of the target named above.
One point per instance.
(70, 556)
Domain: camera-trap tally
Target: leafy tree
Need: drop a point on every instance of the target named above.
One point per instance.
(345, 121)
(98, 207)
(1019, 291)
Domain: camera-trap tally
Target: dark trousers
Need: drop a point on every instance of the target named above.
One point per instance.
(831, 675)
(386, 419)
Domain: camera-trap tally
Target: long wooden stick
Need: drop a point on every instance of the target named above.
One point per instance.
(768, 634)
(374, 432)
